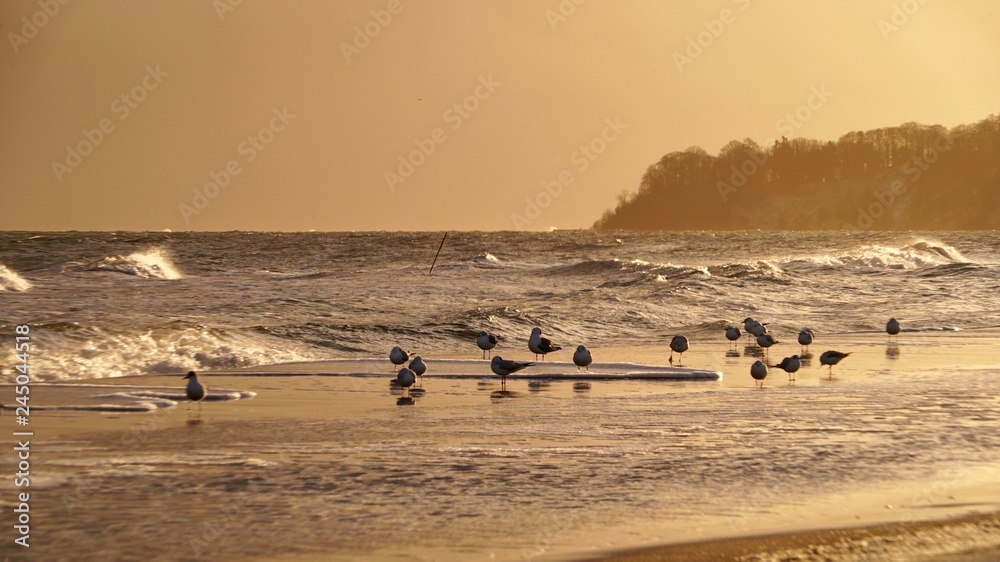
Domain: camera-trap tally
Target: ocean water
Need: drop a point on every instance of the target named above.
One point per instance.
(111, 304)
(334, 468)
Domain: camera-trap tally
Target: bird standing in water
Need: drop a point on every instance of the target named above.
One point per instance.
(195, 390)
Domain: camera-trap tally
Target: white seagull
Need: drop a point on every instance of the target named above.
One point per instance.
(680, 345)
(486, 342)
(398, 356)
(789, 365)
(806, 337)
(539, 345)
(892, 327)
(759, 372)
(582, 358)
(831, 358)
(502, 367)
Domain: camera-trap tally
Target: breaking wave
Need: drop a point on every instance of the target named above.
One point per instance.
(75, 351)
(11, 281)
(151, 264)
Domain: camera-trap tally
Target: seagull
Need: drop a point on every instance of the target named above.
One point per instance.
(539, 345)
(733, 333)
(195, 390)
(892, 327)
(486, 342)
(754, 327)
(759, 372)
(806, 337)
(502, 367)
(680, 345)
(582, 358)
(405, 378)
(789, 365)
(398, 356)
(766, 341)
(831, 358)
(418, 367)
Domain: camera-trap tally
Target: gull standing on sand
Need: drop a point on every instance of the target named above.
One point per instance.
(766, 341)
(582, 358)
(789, 365)
(195, 390)
(759, 372)
(486, 342)
(418, 367)
(539, 345)
(892, 327)
(502, 367)
(754, 327)
(831, 358)
(398, 356)
(680, 345)
(405, 378)
(733, 334)
(806, 337)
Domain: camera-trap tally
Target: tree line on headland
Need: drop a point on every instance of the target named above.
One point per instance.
(910, 177)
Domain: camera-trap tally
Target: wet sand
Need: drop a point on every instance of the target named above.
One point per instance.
(970, 538)
(261, 478)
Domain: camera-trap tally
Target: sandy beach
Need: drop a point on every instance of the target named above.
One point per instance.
(317, 467)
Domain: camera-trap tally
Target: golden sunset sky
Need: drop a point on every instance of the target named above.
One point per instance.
(305, 109)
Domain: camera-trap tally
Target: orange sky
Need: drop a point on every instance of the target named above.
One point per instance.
(311, 118)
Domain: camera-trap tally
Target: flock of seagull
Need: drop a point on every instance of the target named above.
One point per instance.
(582, 358)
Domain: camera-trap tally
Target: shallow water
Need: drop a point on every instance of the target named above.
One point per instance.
(332, 466)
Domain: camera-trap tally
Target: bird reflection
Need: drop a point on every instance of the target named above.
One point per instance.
(753, 351)
(405, 401)
(806, 359)
(892, 351)
(732, 353)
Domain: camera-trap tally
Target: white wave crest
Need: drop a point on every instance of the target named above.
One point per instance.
(81, 353)
(11, 281)
(151, 264)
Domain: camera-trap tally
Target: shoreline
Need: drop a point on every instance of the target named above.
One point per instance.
(324, 452)
(980, 533)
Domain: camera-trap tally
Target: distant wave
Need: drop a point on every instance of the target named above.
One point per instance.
(11, 281)
(647, 270)
(486, 260)
(922, 254)
(151, 264)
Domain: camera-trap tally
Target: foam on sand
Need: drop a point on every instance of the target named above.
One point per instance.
(469, 368)
(123, 398)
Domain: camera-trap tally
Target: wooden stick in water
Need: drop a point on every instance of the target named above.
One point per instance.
(438, 253)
